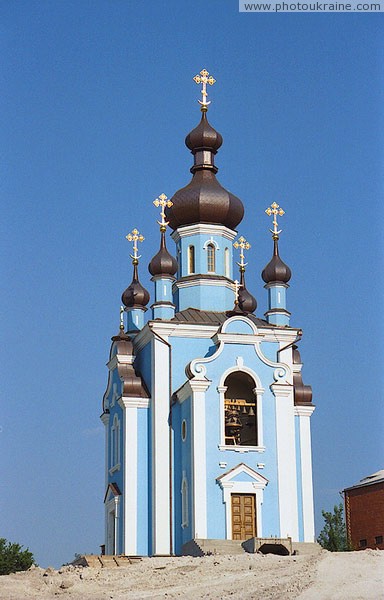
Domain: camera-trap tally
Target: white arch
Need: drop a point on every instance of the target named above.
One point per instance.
(258, 391)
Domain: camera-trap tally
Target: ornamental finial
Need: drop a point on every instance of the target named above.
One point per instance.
(163, 201)
(121, 318)
(135, 237)
(204, 77)
(275, 210)
(243, 245)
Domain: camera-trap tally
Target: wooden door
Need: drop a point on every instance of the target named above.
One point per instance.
(243, 516)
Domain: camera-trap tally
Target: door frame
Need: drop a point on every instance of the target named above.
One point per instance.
(255, 487)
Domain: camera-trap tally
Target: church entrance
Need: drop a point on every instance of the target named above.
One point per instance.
(243, 516)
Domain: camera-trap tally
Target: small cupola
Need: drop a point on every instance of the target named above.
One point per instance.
(135, 298)
(163, 263)
(276, 270)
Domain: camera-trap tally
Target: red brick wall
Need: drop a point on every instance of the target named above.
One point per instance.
(364, 512)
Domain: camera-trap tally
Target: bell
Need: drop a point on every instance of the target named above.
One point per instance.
(233, 423)
(251, 412)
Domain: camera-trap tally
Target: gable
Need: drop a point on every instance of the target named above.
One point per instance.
(111, 492)
(242, 473)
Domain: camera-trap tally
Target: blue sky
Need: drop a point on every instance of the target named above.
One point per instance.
(97, 99)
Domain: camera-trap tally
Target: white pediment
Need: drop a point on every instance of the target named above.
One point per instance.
(242, 473)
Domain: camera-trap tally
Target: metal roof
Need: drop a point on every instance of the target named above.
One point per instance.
(377, 477)
(208, 317)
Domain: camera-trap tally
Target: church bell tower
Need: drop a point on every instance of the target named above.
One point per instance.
(207, 418)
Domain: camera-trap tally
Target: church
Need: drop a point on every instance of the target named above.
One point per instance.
(207, 418)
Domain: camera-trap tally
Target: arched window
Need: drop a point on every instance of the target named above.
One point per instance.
(211, 259)
(240, 410)
(184, 502)
(191, 260)
(226, 263)
(115, 442)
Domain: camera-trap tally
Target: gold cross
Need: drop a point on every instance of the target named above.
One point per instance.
(204, 78)
(243, 245)
(135, 237)
(275, 210)
(237, 288)
(163, 201)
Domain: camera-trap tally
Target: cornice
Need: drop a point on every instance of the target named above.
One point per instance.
(210, 280)
(281, 389)
(126, 402)
(190, 387)
(303, 411)
(203, 229)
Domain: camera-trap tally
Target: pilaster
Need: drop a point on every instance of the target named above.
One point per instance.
(303, 413)
(286, 460)
(199, 469)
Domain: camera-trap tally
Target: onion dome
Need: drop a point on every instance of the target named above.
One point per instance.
(135, 296)
(276, 270)
(247, 302)
(204, 200)
(163, 263)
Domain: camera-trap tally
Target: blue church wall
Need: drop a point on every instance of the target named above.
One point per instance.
(299, 480)
(177, 473)
(143, 489)
(218, 298)
(149, 478)
(143, 363)
(215, 506)
(182, 465)
(199, 242)
(183, 351)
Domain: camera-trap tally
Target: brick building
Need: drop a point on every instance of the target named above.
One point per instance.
(364, 512)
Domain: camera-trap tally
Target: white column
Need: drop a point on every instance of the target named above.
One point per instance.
(304, 414)
(199, 468)
(105, 419)
(129, 462)
(160, 448)
(286, 460)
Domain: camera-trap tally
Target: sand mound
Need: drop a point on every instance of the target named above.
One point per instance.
(337, 576)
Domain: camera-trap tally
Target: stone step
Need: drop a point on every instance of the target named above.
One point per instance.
(200, 547)
(306, 548)
(106, 561)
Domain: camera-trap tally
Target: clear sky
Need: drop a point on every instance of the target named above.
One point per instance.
(97, 97)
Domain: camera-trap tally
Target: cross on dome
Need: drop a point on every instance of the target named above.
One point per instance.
(243, 245)
(204, 77)
(275, 210)
(135, 237)
(163, 201)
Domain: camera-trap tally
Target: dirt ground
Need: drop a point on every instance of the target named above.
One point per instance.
(328, 576)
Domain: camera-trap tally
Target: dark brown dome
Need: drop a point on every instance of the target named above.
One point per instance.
(135, 296)
(163, 263)
(204, 137)
(204, 200)
(276, 270)
(247, 302)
